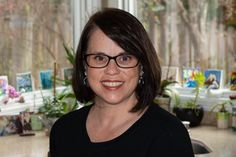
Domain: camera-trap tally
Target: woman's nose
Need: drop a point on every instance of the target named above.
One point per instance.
(112, 68)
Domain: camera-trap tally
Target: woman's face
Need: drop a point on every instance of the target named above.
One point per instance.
(111, 84)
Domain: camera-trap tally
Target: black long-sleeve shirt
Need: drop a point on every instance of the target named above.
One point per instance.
(156, 134)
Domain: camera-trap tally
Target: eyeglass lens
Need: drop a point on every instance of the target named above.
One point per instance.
(102, 60)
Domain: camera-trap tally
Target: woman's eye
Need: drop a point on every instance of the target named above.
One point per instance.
(125, 58)
(99, 58)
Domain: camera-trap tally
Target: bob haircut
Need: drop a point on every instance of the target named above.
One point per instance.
(125, 30)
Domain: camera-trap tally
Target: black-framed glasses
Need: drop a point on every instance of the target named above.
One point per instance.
(123, 60)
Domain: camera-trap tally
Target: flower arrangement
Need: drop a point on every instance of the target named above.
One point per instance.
(11, 93)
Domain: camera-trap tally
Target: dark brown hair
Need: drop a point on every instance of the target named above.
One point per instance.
(124, 29)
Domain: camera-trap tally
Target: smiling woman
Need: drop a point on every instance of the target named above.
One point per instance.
(117, 68)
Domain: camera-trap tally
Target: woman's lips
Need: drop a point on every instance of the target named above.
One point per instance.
(112, 84)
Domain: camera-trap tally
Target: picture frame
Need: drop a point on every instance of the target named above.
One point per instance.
(9, 125)
(24, 82)
(67, 73)
(25, 119)
(214, 78)
(3, 84)
(45, 78)
(170, 73)
(233, 81)
(188, 75)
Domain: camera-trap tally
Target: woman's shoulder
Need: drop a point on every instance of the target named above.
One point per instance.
(163, 120)
(75, 116)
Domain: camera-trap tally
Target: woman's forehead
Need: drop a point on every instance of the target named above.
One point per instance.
(100, 42)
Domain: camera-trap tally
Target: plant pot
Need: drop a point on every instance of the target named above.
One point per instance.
(36, 122)
(223, 120)
(194, 116)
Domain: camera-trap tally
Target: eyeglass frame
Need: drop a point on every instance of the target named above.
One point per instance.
(109, 59)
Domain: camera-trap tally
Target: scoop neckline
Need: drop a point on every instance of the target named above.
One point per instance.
(129, 131)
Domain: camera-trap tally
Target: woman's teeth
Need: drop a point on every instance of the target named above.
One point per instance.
(112, 84)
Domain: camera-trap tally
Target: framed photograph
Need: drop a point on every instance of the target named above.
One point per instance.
(25, 119)
(10, 125)
(46, 79)
(24, 82)
(67, 73)
(170, 73)
(3, 84)
(214, 78)
(233, 81)
(188, 77)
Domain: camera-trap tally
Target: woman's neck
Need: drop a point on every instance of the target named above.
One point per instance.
(106, 122)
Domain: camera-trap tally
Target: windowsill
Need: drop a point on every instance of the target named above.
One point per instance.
(207, 98)
(33, 100)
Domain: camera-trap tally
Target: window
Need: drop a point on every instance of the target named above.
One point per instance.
(32, 34)
(192, 33)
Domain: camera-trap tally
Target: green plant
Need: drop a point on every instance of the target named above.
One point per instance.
(70, 56)
(190, 110)
(222, 114)
(199, 79)
(65, 101)
(59, 105)
(221, 107)
(164, 90)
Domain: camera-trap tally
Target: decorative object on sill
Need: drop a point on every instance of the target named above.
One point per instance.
(46, 79)
(233, 81)
(3, 85)
(21, 99)
(170, 73)
(11, 95)
(191, 111)
(24, 82)
(213, 78)
(222, 115)
(189, 77)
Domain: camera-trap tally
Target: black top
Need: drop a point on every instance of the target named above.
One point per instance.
(156, 134)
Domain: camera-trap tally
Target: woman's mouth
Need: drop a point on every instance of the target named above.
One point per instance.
(112, 84)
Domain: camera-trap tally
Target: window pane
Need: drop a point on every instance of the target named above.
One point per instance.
(192, 33)
(32, 35)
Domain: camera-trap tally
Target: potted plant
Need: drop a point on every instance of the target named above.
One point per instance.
(222, 115)
(62, 102)
(191, 111)
(56, 106)
(164, 96)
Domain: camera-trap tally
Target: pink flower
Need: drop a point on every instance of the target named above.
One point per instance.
(12, 93)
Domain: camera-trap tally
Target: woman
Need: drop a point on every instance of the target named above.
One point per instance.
(117, 68)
